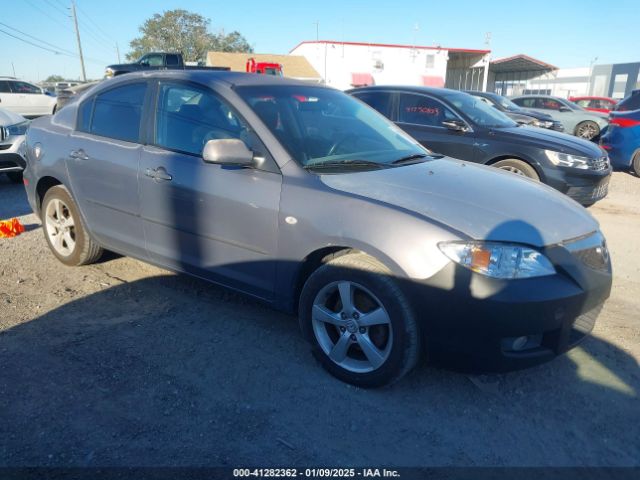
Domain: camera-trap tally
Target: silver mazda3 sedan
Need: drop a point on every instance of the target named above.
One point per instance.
(310, 200)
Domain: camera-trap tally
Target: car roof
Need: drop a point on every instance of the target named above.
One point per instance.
(204, 76)
(442, 92)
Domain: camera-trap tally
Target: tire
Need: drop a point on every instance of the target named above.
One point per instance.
(636, 164)
(587, 130)
(15, 177)
(377, 297)
(64, 231)
(519, 167)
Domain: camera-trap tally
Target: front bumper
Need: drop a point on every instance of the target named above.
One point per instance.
(584, 186)
(471, 321)
(11, 159)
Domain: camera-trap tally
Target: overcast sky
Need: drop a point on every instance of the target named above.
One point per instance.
(565, 33)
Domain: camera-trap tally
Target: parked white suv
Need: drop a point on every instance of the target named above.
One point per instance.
(25, 98)
(12, 132)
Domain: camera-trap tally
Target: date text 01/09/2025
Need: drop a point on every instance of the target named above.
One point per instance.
(315, 473)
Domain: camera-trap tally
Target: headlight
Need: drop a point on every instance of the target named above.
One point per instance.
(566, 160)
(17, 129)
(498, 260)
(108, 72)
(545, 123)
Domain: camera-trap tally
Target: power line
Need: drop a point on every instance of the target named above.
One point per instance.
(99, 29)
(66, 27)
(59, 49)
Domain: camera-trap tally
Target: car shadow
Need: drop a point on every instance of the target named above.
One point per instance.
(13, 199)
(171, 370)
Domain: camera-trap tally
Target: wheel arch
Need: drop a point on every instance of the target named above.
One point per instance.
(42, 187)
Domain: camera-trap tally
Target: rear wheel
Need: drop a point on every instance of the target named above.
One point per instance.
(64, 231)
(587, 130)
(519, 167)
(359, 322)
(15, 177)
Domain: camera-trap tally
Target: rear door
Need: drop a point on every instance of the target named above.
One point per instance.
(21, 101)
(103, 163)
(217, 222)
(421, 116)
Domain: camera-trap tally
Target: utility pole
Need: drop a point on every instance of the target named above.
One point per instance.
(75, 22)
(118, 51)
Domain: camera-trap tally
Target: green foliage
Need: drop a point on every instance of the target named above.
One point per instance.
(184, 32)
(54, 79)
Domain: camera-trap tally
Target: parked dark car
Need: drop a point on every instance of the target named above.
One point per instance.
(155, 61)
(462, 126)
(311, 201)
(517, 114)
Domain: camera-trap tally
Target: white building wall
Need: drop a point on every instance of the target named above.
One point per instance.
(564, 82)
(337, 62)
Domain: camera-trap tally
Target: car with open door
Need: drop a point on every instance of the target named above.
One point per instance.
(309, 200)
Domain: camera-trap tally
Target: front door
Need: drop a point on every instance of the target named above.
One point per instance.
(103, 166)
(217, 222)
(421, 116)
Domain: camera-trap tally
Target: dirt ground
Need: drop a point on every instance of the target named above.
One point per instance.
(125, 364)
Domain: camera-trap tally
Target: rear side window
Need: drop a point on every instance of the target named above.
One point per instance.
(172, 61)
(23, 87)
(525, 102)
(117, 113)
(422, 110)
(381, 101)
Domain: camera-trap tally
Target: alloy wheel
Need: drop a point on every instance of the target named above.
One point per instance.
(352, 326)
(512, 169)
(587, 131)
(60, 227)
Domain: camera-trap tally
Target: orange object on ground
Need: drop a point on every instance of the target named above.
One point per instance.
(11, 228)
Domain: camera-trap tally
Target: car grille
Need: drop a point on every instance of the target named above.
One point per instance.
(599, 164)
(591, 250)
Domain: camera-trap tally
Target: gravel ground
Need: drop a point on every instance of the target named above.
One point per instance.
(123, 364)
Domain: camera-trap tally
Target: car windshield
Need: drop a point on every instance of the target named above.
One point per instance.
(322, 126)
(506, 103)
(480, 112)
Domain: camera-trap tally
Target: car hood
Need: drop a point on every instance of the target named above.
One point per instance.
(481, 202)
(534, 114)
(551, 140)
(9, 118)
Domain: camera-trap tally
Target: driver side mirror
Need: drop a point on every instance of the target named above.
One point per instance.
(228, 151)
(144, 63)
(456, 125)
(564, 109)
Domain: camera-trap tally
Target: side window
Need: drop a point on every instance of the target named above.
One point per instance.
(84, 116)
(549, 104)
(188, 117)
(172, 61)
(117, 112)
(154, 60)
(526, 102)
(422, 110)
(4, 87)
(381, 101)
(23, 87)
(586, 103)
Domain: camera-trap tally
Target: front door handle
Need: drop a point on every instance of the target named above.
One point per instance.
(78, 155)
(159, 174)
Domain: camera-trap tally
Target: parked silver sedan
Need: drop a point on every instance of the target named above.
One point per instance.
(308, 199)
(575, 119)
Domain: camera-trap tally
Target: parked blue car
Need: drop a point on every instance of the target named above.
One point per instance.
(621, 139)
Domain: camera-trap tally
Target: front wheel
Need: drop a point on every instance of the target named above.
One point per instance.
(359, 321)
(587, 130)
(518, 167)
(636, 164)
(64, 231)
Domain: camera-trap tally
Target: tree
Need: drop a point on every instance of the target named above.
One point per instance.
(54, 79)
(184, 32)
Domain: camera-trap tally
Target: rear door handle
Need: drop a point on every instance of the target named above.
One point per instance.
(160, 174)
(78, 155)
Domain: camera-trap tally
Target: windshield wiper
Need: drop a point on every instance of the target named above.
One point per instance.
(415, 158)
(345, 163)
